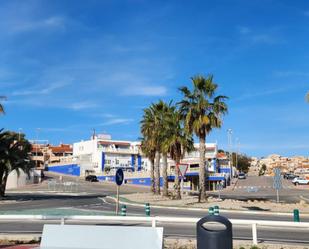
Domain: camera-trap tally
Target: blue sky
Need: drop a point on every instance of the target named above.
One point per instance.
(67, 67)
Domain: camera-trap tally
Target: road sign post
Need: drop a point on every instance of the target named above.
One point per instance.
(277, 181)
(183, 167)
(119, 180)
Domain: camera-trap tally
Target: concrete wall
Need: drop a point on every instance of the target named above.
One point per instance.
(16, 181)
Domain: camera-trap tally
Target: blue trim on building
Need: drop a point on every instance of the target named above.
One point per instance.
(214, 161)
(103, 161)
(69, 169)
(133, 162)
(224, 170)
(139, 163)
(138, 181)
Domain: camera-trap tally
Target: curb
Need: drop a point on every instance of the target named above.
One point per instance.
(205, 209)
(21, 238)
(304, 198)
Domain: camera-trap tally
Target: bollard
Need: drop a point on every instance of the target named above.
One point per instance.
(216, 210)
(147, 209)
(296, 215)
(123, 210)
(211, 211)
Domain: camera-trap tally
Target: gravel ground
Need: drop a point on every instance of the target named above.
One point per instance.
(192, 201)
(191, 244)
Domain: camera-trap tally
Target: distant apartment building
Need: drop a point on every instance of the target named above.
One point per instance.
(295, 164)
(44, 154)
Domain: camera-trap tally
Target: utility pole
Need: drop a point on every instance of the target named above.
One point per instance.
(36, 146)
(229, 141)
(237, 151)
(19, 133)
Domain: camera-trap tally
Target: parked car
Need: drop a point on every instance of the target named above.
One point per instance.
(300, 181)
(91, 178)
(241, 176)
(290, 176)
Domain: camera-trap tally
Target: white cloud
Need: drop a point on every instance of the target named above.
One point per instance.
(54, 22)
(290, 73)
(266, 37)
(142, 90)
(81, 105)
(244, 30)
(114, 121)
(265, 92)
(42, 89)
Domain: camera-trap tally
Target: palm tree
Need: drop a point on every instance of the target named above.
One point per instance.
(154, 131)
(165, 112)
(14, 155)
(149, 152)
(148, 141)
(178, 142)
(160, 111)
(1, 106)
(202, 111)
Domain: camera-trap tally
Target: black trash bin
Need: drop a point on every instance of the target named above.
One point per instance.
(207, 238)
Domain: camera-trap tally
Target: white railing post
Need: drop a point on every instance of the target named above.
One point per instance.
(254, 233)
(153, 222)
(62, 221)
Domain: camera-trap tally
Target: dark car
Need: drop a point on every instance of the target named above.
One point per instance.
(290, 176)
(91, 178)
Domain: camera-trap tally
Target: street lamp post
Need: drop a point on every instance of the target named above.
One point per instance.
(229, 141)
(19, 133)
(36, 146)
(237, 151)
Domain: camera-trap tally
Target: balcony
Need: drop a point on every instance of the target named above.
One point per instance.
(120, 150)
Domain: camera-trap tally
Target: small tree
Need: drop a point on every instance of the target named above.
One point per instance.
(262, 170)
(14, 155)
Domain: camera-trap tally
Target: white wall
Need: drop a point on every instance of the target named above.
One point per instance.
(15, 181)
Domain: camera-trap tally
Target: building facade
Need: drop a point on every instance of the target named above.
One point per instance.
(102, 156)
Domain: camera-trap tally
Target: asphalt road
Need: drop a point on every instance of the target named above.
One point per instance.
(261, 188)
(93, 197)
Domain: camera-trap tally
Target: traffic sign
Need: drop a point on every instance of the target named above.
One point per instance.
(119, 177)
(183, 167)
(277, 184)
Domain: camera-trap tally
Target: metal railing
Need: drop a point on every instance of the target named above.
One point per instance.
(156, 219)
(54, 185)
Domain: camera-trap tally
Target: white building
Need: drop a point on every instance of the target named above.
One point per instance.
(101, 154)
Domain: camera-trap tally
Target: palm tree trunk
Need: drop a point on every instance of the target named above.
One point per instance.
(177, 185)
(157, 173)
(152, 186)
(202, 171)
(3, 185)
(164, 173)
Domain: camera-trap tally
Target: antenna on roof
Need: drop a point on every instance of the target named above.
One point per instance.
(93, 135)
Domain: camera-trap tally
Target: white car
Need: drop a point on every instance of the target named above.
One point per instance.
(241, 176)
(300, 180)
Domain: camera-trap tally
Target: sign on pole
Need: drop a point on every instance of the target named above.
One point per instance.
(183, 167)
(119, 180)
(277, 184)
